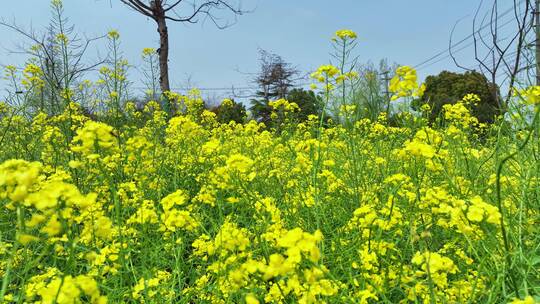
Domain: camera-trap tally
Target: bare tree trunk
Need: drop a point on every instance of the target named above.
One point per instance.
(164, 60)
(163, 54)
(161, 11)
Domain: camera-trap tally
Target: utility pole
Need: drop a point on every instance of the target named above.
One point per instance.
(537, 30)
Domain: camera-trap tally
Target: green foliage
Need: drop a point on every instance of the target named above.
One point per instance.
(260, 110)
(449, 87)
(226, 113)
(307, 100)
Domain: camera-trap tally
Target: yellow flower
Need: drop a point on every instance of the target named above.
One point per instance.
(475, 213)
(328, 70)
(153, 288)
(239, 163)
(53, 288)
(227, 102)
(527, 300)
(531, 95)
(24, 239)
(418, 148)
(284, 104)
(9, 72)
(148, 51)
(404, 83)
(365, 295)
(62, 38)
(93, 138)
(17, 178)
(251, 299)
(346, 34)
(113, 34)
(33, 77)
(326, 73)
(56, 3)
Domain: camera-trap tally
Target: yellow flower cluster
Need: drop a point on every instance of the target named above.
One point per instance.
(331, 76)
(113, 34)
(346, 34)
(325, 72)
(527, 300)
(405, 83)
(148, 51)
(153, 289)
(56, 3)
(172, 218)
(17, 177)
(52, 205)
(531, 95)
(285, 271)
(62, 38)
(227, 102)
(53, 287)
(285, 104)
(282, 108)
(33, 77)
(165, 210)
(94, 139)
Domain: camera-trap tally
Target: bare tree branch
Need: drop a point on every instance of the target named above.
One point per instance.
(161, 11)
(494, 55)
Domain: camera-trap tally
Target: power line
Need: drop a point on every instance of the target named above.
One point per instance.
(231, 88)
(507, 57)
(453, 52)
(465, 39)
(443, 58)
(202, 88)
(462, 40)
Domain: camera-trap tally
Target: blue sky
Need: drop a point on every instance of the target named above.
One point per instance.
(405, 32)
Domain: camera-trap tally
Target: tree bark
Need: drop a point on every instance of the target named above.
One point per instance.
(164, 59)
(163, 54)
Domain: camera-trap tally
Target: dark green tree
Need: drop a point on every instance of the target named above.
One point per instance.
(308, 101)
(230, 111)
(260, 110)
(449, 88)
